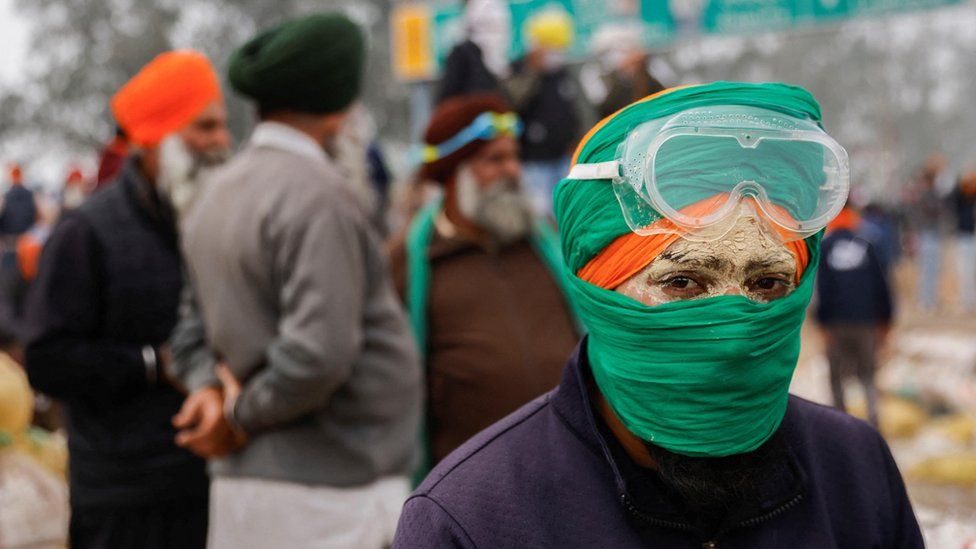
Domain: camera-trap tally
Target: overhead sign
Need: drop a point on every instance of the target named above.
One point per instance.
(411, 38)
(425, 31)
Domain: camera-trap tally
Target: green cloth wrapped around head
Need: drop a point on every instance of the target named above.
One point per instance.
(587, 211)
(705, 377)
(313, 64)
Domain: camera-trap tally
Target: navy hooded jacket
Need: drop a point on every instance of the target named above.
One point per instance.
(852, 285)
(546, 477)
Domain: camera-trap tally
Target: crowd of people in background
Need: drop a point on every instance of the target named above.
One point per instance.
(182, 301)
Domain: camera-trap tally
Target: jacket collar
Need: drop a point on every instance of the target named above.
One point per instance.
(643, 495)
(147, 201)
(286, 138)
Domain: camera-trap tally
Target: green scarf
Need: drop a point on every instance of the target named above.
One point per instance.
(708, 377)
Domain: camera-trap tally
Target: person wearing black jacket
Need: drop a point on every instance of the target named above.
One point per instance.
(545, 95)
(101, 310)
(465, 72)
(480, 61)
(19, 209)
(855, 308)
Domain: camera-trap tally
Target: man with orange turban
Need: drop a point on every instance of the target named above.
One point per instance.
(104, 304)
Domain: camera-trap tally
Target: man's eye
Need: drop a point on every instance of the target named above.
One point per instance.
(682, 287)
(681, 283)
(771, 286)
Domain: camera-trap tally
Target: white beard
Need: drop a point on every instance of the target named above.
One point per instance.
(183, 175)
(73, 197)
(349, 150)
(499, 208)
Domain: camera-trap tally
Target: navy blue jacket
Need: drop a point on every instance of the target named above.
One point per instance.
(108, 285)
(852, 286)
(19, 211)
(546, 477)
(965, 206)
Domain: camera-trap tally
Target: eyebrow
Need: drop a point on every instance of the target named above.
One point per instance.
(711, 262)
(763, 264)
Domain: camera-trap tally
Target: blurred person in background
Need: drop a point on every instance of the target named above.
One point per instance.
(74, 191)
(314, 433)
(481, 60)
(480, 276)
(361, 161)
(625, 74)
(855, 308)
(545, 96)
(111, 158)
(928, 215)
(18, 214)
(879, 226)
(673, 425)
(19, 210)
(963, 198)
(101, 310)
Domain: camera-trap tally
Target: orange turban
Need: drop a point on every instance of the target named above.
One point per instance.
(165, 96)
(630, 253)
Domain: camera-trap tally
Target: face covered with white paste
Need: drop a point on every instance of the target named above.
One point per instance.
(749, 260)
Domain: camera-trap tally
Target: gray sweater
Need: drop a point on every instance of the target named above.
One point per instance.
(294, 294)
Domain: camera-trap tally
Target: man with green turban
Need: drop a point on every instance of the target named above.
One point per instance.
(691, 224)
(314, 433)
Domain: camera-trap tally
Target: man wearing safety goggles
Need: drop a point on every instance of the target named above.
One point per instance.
(691, 225)
(481, 277)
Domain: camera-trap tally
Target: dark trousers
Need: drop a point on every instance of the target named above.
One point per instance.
(174, 525)
(851, 352)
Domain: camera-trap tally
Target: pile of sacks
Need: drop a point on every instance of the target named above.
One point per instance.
(33, 490)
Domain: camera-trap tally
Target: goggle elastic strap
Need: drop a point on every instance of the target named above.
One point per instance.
(486, 126)
(599, 170)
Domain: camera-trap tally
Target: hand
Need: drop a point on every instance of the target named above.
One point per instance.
(165, 354)
(232, 387)
(203, 428)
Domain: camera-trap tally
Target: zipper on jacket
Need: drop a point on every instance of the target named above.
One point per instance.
(772, 514)
(632, 509)
(712, 544)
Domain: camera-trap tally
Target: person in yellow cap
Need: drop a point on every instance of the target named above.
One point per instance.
(547, 98)
(103, 305)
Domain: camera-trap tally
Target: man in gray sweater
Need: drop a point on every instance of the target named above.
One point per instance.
(319, 379)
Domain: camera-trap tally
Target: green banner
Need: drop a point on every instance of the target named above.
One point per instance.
(663, 21)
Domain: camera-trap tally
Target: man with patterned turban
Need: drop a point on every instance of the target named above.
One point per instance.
(691, 224)
(480, 274)
(481, 277)
(103, 305)
(298, 315)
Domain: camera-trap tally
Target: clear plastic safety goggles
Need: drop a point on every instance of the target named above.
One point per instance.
(695, 168)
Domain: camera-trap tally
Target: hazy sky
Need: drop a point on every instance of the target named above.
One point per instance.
(13, 42)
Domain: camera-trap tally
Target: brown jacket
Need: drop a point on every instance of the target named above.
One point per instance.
(499, 333)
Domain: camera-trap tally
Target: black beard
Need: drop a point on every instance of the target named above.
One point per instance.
(712, 489)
